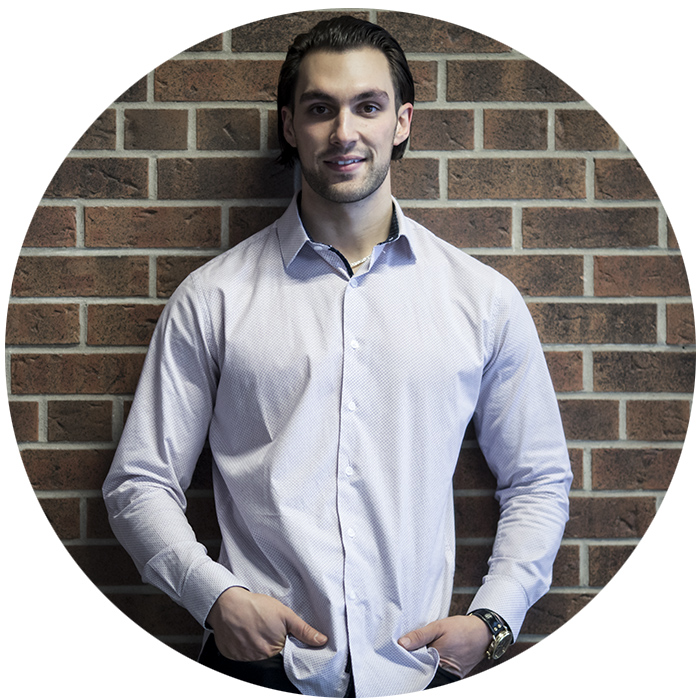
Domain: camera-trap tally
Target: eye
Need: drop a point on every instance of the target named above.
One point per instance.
(318, 110)
(370, 109)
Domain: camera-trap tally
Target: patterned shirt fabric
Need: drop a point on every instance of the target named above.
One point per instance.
(335, 408)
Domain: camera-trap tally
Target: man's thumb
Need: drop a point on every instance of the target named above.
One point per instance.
(304, 632)
(418, 638)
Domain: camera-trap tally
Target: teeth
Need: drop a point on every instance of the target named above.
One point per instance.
(348, 162)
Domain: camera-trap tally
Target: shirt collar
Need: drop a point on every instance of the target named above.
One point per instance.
(292, 234)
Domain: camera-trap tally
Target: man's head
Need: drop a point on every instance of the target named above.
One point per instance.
(341, 34)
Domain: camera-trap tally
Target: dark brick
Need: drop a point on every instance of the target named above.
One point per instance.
(566, 567)
(550, 612)
(657, 420)
(476, 516)
(214, 80)
(425, 80)
(79, 421)
(52, 227)
(640, 276)
(516, 178)
(442, 130)
(245, 221)
(121, 324)
(583, 130)
(517, 129)
(97, 527)
(465, 227)
(81, 276)
(156, 613)
(138, 92)
(172, 270)
(504, 81)
(213, 43)
(75, 373)
(25, 420)
(223, 129)
(472, 472)
(568, 227)
(415, 178)
(63, 515)
(566, 369)
(43, 324)
(548, 275)
(223, 178)
(621, 178)
(643, 371)
(590, 419)
(67, 469)
(610, 517)
(595, 323)
(633, 469)
(471, 564)
(680, 326)
(103, 178)
(153, 227)
(155, 129)
(604, 561)
(102, 134)
(105, 565)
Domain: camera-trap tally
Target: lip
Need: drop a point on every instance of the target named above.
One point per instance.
(344, 164)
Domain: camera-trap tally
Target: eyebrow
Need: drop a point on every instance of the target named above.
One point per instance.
(311, 95)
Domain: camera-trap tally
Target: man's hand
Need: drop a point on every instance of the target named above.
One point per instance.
(461, 640)
(249, 626)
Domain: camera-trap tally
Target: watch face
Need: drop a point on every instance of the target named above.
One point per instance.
(500, 644)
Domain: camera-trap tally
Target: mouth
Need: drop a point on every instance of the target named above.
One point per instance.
(345, 163)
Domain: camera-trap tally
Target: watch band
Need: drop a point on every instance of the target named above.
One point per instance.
(502, 635)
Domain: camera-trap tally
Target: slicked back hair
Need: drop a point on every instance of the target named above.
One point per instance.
(341, 34)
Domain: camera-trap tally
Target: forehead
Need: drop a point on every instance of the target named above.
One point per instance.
(344, 74)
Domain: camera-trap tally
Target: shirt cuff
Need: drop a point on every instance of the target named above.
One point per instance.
(504, 596)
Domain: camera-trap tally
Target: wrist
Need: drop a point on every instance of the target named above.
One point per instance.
(500, 633)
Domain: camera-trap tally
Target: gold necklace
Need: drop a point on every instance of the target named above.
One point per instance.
(359, 262)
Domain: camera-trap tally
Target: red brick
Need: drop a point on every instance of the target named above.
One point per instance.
(633, 469)
(595, 323)
(504, 81)
(576, 459)
(566, 567)
(464, 227)
(245, 221)
(97, 526)
(103, 178)
(516, 178)
(583, 130)
(121, 324)
(476, 516)
(153, 227)
(442, 130)
(214, 80)
(415, 178)
(172, 270)
(52, 227)
(550, 612)
(223, 178)
(547, 275)
(138, 92)
(566, 369)
(657, 420)
(25, 420)
(75, 373)
(604, 561)
(425, 80)
(102, 134)
(224, 129)
(590, 419)
(67, 469)
(680, 326)
(213, 43)
(516, 129)
(621, 178)
(79, 421)
(643, 371)
(42, 324)
(610, 517)
(472, 472)
(637, 275)
(63, 515)
(416, 33)
(569, 227)
(157, 129)
(471, 564)
(105, 565)
(40, 276)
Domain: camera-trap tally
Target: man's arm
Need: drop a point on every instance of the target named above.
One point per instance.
(519, 430)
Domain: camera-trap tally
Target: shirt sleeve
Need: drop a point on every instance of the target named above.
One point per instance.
(163, 437)
(519, 429)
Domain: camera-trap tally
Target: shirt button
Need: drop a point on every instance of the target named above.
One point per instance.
(351, 532)
(349, 471)
(352, 406)
(352, 595)
(353, 282)
(354, 344)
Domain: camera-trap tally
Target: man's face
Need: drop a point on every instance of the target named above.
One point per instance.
(345, 123)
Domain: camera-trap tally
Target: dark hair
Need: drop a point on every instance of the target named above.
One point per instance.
(341, 34)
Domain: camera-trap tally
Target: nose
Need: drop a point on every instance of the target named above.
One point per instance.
(344, 129)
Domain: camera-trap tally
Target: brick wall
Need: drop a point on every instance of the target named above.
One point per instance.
(505, 161)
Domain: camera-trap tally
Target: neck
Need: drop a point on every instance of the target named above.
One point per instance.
(352, 228)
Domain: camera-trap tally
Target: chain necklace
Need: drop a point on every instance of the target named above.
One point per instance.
(359, 262)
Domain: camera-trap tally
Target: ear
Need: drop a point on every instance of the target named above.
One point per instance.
(403, 125)
(288, 126)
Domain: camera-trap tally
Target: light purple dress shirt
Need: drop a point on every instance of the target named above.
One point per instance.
(335, 408)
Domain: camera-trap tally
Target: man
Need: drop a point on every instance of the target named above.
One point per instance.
(334, 361)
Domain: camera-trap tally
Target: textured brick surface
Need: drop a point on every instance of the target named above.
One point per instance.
(505, 160)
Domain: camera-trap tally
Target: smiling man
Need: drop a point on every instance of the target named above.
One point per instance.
(333, 361)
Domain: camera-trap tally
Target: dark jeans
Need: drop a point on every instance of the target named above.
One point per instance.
(270, 672)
